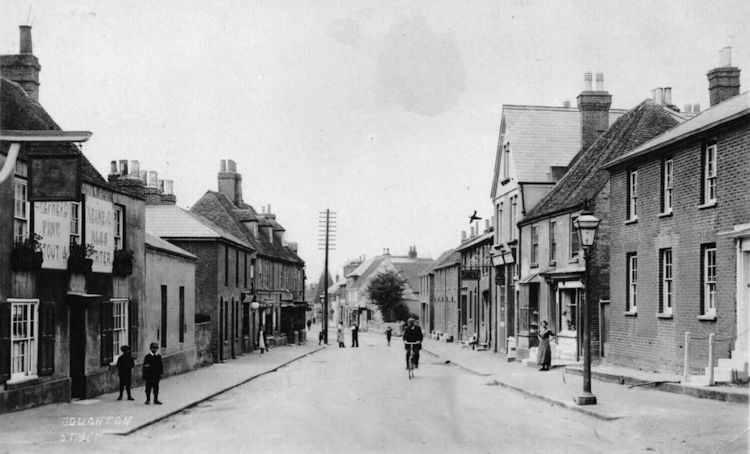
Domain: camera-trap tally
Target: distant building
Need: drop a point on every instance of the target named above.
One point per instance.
(439, 292)
(476, 274)
(680, 240)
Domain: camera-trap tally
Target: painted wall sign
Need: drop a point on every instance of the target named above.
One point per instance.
(100, 228)
(52, 222)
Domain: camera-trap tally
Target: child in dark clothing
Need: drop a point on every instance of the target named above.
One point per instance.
(153, 368)
(125, 366)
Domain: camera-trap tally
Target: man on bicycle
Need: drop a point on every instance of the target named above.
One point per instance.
(412, 339)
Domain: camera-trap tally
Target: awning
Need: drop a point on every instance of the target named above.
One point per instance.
(531, 278)
(570, 284)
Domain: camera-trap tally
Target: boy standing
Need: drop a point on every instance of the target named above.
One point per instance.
(153, 368)
(125, 366)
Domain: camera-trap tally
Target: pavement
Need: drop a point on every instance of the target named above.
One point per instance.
(617, 389)
(87, 420)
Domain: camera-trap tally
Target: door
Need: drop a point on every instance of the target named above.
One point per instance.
(462, 318)
(77, 350)
(604, 316)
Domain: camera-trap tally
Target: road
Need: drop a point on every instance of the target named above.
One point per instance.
(359, 400)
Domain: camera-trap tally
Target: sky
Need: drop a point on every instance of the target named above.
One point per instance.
(386, 112)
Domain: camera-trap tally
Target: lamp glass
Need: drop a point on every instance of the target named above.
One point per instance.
(587, 225)
(254, 305)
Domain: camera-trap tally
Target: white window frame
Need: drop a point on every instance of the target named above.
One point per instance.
(119, 226)
(20, 210)
(709, 175)
(667, 281)
(120, 324)
(633, 194)
(709, 281)
(632, 283)
(668, 184)
(534, 244)
(24, 339)
(75, 222)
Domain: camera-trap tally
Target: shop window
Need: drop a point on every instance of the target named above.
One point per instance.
(120, 324)
(24, 336)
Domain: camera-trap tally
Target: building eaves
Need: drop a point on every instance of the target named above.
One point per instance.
(476, 240)
(724, 112)
(173, 222)
(156, 243)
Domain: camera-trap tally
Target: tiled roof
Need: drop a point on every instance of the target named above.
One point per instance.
(540, 137)
(221, 210)
(438, 262)
(153, 241)
(171, 221)
(586, 177)
(449, 258)
(19, 112)
(408, 268)
(476, 240)
(720, 113)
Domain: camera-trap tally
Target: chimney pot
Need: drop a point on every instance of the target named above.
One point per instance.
(566, 103)
(123, 167)
(269, 208)
(463, 235)
(696, 108)
(168, 186)
(668, 96)
(653, 96)
(160, 185)
(587, 81)
(25, 44)
(223, 165)
(113, 168)
(687, 108)
(135, 168)
(599, 81)
(231, 166)
(143, 175)
(659, 96)
(725, 57)
(153, 179)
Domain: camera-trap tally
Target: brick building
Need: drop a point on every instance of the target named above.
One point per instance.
(69, 302)
(680, 213)
(552, 264)
(476, 274)
(535, 146)
(441, 281)
(277, 273)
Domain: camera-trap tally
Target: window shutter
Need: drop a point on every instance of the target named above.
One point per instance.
(106, 332)
(133, 328)
(46, 364)
(4, 341)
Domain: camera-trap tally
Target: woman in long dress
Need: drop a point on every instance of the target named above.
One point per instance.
(262, 339)
(340, 335)
(544, 355)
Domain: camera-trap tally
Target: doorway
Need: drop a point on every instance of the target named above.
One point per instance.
(77, 350)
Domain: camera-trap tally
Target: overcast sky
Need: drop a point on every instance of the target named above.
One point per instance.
(384, 111)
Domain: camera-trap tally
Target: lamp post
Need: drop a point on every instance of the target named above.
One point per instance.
(587, 225)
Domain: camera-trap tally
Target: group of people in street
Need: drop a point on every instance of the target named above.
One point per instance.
(153, 369)
(340, 335)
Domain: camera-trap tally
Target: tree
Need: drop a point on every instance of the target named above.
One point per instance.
(386, 290)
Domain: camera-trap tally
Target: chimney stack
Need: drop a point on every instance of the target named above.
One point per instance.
(230, 182)
(23, 68)
(724, 81)
(594, 108)
(668, 96)
(124, 180)
(412, 252)
(463, 235)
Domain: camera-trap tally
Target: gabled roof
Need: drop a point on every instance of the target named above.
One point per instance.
(444, 258)
(409, 268)
(337, 285)
(540, 137)
(586, 177)
(171, 221)
(221, 210)
(20, 112)
(452, 259)
(154, 242)
(721, 113)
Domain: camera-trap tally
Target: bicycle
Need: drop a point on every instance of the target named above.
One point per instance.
(410, 361)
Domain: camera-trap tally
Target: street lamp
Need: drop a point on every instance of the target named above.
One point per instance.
(587, 225)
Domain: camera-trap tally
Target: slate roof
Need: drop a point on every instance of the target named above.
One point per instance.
(540, 137)
(476, 240)
(720, 113)
(171, 221)
(221, 210)
(409, 268)
(20, 112)
(586, 176)
(154, 242)
(444, 257)
(449, 258)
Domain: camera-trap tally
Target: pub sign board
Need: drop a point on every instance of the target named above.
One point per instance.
(54, 177)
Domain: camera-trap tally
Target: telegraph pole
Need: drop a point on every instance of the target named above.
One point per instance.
(326, 241)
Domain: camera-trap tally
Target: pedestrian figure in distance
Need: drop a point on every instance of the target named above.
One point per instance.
(309, 323)
(340, 335)
(153, 368)
(355, 335)
(262, 344)
(544, 355)
(412, 333)
(388, 334)
(321, 337)
(125, 366)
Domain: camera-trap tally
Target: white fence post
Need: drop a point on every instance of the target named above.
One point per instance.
(686, 362)
(711, 359)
